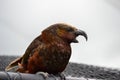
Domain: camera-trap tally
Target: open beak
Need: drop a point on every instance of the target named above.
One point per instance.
(82, 33)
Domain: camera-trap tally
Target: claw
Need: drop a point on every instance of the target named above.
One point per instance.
(44, 74)
(62, 76)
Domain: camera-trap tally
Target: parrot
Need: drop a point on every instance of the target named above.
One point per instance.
(50, 51)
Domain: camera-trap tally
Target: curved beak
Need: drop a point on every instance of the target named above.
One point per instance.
(80, 32)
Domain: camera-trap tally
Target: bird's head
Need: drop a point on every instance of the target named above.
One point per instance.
(66, 32)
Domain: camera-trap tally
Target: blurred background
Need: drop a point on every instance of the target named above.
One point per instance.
(23, 20)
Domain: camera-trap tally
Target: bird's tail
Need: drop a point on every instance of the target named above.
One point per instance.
(13, 64)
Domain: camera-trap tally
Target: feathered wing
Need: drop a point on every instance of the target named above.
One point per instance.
(24, 59)
(30, 50)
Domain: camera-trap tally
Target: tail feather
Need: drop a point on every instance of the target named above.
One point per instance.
(13, 64)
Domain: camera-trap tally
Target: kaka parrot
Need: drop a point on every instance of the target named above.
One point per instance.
(50, 51)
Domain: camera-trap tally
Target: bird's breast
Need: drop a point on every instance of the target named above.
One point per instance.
(57, 57)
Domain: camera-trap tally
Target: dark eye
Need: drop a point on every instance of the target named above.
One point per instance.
(69, 29)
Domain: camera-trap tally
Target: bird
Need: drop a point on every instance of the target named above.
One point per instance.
(50, 51)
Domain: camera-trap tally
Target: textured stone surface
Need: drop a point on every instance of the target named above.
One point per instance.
(77, 70)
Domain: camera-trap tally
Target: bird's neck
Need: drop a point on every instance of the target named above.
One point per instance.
(51, 39)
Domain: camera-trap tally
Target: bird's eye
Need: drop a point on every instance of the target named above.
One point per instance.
(69, 29)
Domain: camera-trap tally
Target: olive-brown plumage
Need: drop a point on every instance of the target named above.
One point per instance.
(50, 52)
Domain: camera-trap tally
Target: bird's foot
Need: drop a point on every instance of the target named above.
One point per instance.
(58, 76)
(55, 76)
(44, 74)
(61, 75)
